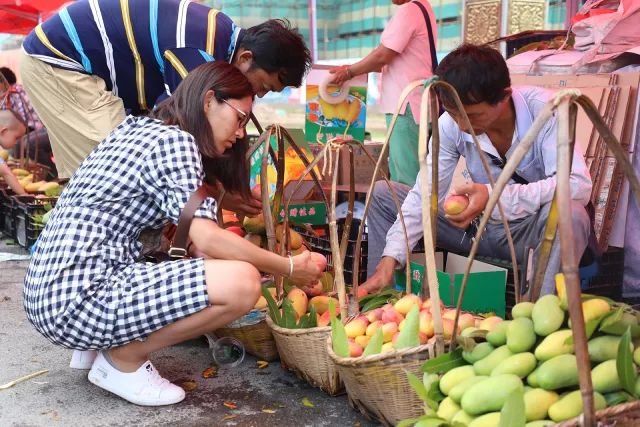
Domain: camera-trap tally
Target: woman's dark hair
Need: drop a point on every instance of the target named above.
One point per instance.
(478, 73)
(8, 75)
(185, 109)
(277, 47)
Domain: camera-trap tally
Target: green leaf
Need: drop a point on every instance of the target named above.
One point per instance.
(591, 326)
(432, 384)
(418, 387)
(332, 309)
(612, 318)
(624, 364)
(288, 314)
(512, 413)
(408, 336)
(306, 402)
(339, 339)
(444, 362)
(272, 306)
(313, 317)
(618, 397)
(375, 344)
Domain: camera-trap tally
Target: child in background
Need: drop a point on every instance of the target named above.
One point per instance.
(12, 128)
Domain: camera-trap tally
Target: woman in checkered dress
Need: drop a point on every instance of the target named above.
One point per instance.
(85, 290)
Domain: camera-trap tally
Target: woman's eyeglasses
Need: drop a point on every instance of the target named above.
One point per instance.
(243, 119)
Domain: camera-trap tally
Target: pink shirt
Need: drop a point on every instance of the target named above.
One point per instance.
(406, 33)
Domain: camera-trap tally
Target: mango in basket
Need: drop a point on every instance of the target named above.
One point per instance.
(48, 186)
(406, 303)
(34, 186)
(262, 302)
(20, 172)
(537, 403)
(321, 304)
(295, 237)
(547, 315)
(489, 323)
(254, 225)
(491, 394)
(356, 327)
(299, 301)
(570, 406)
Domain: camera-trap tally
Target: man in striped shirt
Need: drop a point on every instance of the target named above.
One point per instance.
(95, 59)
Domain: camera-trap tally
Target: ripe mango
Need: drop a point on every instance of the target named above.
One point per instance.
(558, 372)
(487, 364)
(321, 303)
(480, 351)
(260, 304)
(520, 335)
(294, 237)
(521, 364)
(455, 377)
(299, 301)
(490, 395)
(20, 172)
(254, 225)
(523, 309)
(406, 303)
(594, 308)
(605, 377)
(490, 323)
(487, 420)
(498, 336)
(604, 348)
(327, 282)
(537, 403)
(448, 409)
(455, 204)
(34, 186)
(547, 315)
(532, 379)
(554, 345)
(356, 327)
(462, 418)
(570, 406)
(460, 389)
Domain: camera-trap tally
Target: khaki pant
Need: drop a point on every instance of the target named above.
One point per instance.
(76, 108)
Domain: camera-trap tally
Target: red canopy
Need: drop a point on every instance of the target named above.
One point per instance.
(21, 16)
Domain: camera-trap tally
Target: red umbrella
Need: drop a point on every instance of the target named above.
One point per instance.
(21, 16)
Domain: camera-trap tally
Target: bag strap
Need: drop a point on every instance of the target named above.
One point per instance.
(432, 43)
(178, 247)
(497, 161)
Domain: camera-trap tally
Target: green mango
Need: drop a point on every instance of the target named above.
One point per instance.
(487, 420)
(570, 406)
(462, 417)
(522, 309)
(554, 345)
(458, 391)
(521, 364)
(603, 348)
(605, 377)
(448, 409)
(498, 336)
(547, 315)
(537, 402)
(520, 335)
(455, 377)
(540, 423)
(559, 372)
(490, 394)
(485, 365)
(532, 379)
(480, 351)
(636, 355)
(637, 387)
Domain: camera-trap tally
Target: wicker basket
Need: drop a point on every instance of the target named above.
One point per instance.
(254, 333)
(623, 415)
(304, 351)
(377, 385)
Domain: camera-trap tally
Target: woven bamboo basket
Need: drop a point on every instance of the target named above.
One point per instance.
(304, 352)
(377, 385)
(254, 334)
(623, 415)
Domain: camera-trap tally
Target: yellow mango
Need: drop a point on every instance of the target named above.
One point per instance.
(537, 403)
(570, 406)
(34, 186)
(298, 300)
(20, 172)
(455, 377)
(448, 409)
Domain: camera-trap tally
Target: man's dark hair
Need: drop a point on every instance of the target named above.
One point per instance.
(8, 75)
(277, 47)
(478, 73)
(185, 109)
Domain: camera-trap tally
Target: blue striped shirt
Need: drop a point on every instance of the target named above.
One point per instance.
(141, 48)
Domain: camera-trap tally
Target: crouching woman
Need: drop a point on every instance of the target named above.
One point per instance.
(85, 289)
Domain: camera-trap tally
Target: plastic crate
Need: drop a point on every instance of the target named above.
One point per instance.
(25, 209)
(607, 280)
(7, 226)
(320, 243)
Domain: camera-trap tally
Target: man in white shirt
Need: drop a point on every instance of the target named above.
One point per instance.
(500, 115)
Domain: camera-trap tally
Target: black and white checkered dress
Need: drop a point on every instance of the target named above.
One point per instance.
(84, 288)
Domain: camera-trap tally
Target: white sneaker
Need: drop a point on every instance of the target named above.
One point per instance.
(143, 387)
(82, 359)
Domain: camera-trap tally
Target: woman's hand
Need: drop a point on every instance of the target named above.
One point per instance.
(307, 268)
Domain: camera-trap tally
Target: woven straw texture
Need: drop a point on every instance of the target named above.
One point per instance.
(378, 386)
(254, 333)
(304, 351)
(623, 415)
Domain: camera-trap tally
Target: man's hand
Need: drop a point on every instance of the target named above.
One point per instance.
(382, 278)
(478, 196)
(341, 74)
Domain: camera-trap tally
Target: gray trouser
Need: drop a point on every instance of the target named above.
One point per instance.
(527, 234)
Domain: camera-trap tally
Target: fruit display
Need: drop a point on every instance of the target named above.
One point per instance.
(529, 362)
(25, 178)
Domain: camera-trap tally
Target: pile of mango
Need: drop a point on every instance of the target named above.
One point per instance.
(534, 354)
(25, 178)
(256, 233)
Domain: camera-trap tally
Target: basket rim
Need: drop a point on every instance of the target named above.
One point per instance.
(285, 331)
(363, 360)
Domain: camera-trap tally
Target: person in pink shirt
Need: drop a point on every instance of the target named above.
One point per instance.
(406, 53)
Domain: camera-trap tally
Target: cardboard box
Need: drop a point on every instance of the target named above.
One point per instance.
(486, 287)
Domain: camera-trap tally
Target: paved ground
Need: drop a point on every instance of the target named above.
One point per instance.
(64, 397)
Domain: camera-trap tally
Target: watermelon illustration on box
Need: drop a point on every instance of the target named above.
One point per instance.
(334, 111)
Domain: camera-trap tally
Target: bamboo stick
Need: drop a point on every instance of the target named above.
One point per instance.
(335, 248)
